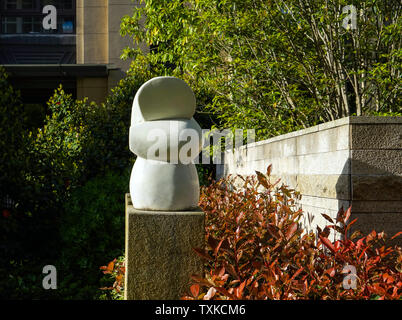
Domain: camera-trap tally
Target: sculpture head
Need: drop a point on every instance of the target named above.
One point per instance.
(163, 98)
(162, 119)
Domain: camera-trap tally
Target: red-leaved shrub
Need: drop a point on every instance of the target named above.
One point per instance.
(256, 249)
(116, 269)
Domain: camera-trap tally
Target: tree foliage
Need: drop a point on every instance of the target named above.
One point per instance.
(12, 139)
(275, 66)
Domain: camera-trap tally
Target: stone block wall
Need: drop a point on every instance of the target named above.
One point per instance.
(351, 161)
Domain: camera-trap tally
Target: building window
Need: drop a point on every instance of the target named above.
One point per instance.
(10, 4)
(19, 4)
(25, 16)
(31, 24)
(28, 4)
(9, 24)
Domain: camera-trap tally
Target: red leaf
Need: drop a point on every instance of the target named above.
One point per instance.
(240, 289)
(237, 233)
(325, 233)
(212, 242)
(231, 270)
(327, 217)
(239, 217)
(327, 243)
(361, 255)
(349, 225)
(195, 290)
(273, 230)
(110, 266)
(269, 169)
(396, 235)
(331, 271)
(291, 230)
(218, 247)
(297, 273)
(340, 215)
(387, 278)
(200, 280)
(347, 214)
(221, 272)
(202, 253)
(262, 179)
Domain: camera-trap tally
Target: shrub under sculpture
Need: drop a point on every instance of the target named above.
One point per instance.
(163, 177)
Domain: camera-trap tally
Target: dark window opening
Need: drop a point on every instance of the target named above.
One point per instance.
(26, 17)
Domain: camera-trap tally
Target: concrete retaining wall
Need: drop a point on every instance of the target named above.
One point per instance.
(351, 161)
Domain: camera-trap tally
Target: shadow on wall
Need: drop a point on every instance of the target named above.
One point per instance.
(374, 190)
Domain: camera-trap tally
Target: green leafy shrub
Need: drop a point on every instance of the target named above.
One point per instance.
(56, 151)
(12, 139)
(20, 233)
(92, 227)
(92, 177)
(80, 143)
(81, 140)
(108, 125)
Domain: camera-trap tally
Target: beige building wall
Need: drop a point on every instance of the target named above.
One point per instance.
(116, 10)
(92, 31)
(99, 42)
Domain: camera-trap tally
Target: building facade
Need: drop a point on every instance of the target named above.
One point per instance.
(76, 43)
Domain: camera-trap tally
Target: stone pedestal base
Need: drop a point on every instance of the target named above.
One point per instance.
(159, 255)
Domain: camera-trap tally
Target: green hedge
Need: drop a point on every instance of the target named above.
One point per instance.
(92, 229)
(80, 153)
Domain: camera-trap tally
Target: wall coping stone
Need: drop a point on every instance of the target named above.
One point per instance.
(325, 126)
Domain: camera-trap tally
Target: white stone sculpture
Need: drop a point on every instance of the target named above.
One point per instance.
(166, 138)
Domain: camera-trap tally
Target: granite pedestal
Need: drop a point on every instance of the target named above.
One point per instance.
(159, 255)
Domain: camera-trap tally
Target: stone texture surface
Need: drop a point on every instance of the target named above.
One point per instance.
(92, 31)
(159, 255)
(325, 141)
(336, 162)
(376, 187)
(374, 120)
(378, 206)
(287, 179)
(321, 202)
(376, 136)
(369, 162)
(327, 186)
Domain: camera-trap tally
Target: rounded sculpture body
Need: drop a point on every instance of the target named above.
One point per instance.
(163, 177)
